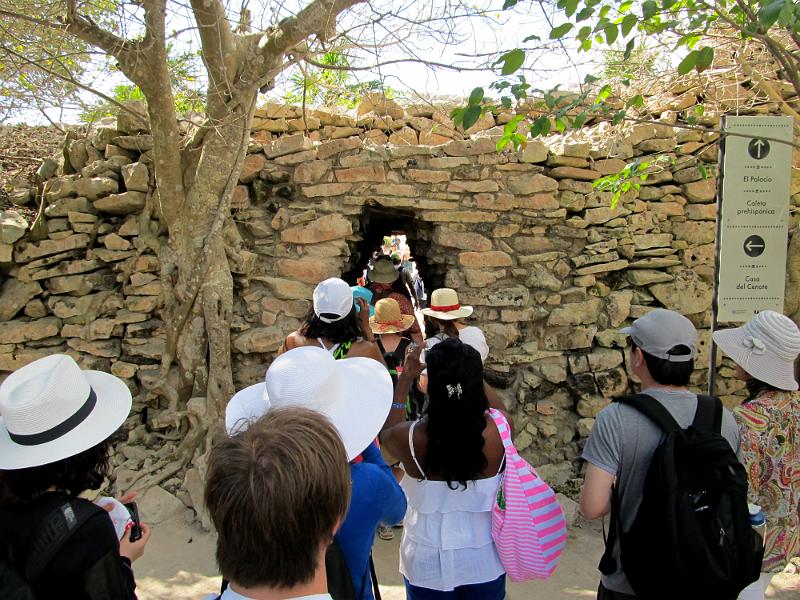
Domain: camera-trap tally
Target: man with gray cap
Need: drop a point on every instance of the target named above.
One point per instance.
(623, 440)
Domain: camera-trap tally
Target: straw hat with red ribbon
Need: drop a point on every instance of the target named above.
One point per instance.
(388, 318)
(445, 306)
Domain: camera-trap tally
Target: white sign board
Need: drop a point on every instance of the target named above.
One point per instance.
(756, 182)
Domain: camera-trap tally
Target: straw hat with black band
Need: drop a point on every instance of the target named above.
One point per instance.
(52, 410)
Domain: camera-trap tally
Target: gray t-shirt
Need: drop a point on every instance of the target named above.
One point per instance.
(622, 443)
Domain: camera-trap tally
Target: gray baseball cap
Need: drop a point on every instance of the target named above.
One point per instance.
(660, 331)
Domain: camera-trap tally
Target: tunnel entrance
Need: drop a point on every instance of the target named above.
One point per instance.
(378, 225)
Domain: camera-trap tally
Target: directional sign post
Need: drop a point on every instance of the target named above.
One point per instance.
(753, 218)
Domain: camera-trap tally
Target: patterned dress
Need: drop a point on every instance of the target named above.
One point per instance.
(770, 428)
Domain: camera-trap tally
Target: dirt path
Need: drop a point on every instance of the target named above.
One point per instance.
(179, 565)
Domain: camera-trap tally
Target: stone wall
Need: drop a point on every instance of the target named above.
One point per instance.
(552, 270)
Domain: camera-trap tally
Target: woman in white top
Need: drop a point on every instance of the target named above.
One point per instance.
(453, 457)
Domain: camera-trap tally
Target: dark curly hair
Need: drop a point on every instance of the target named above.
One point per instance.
(73, 475)
(455, 420)
(338, 332)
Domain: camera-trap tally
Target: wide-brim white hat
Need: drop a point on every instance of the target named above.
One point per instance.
(766, 347)
(51, 410)
(444, 305)
(354, 393)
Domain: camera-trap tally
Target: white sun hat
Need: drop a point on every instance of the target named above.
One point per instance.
(445, 306)
(766, 347)
(354, 393)
(50, 410)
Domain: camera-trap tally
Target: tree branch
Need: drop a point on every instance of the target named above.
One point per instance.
(218, 44)
(87, 30)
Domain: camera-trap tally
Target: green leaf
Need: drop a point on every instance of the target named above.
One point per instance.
(705, 58)
(768, 14)
(603, 94)
(476, 96)
(688, 63)
(570, 6)
(700, 110)
(509, 4)
(541, 126)
(649, 9)
(505, 101)
(611, 32)
(584, 14)
(590, 79)
(579, 121)
(560, 125)
(502, 142)
(617, 118)
(471, 116)
(628, 23)
(457, 116)
(629, 48)
(625, 6)
(637, 101)
(584, 32)
(667, 4)
(532, 38)
(558, 32)
(512, 61)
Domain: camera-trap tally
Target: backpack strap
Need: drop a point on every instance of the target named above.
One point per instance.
(608, 563)
(653, 410)
(380, 344)
(56, 529)
(708, 416)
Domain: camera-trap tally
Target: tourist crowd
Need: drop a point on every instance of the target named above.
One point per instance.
(376, 415)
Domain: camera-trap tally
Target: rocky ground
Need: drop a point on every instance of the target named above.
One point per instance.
(179, 565)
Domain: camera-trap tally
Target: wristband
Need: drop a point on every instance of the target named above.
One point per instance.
(398, 405)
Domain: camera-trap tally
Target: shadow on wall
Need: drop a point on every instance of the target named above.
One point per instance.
(377, 222)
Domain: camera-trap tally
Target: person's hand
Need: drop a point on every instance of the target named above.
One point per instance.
(124, 499)
(363, 319)
(412, 366)
(134, 550)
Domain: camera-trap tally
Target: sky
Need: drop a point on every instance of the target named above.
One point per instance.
(446, 36)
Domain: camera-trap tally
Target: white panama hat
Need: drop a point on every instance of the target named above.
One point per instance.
(354, 393)
(766, 347)
(445, 306)
(50, 410)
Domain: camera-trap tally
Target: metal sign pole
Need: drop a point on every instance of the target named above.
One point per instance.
(712, 367)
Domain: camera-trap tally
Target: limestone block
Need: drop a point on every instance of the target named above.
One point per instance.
(500, 336)
(694, 232)
(534, 152)
(370, 173)
(71, 267)
(462, 240)
(35, 309)
(138, 143)
(557, 160)
(17, 332)
(478, 279)
(480, 260)
(426, 176)
(304, 123)
(82, 284)
(333, 147)
(109, 256)
(31, 251)
(617, 307)
(609, 166)
(575, 313)
(575, 173)
(511, 296)
(596, 216)
(432, 138)
(158, 505)
(473, 147)
(14, 295)
(325, 190)
(12, 226)
(59, 187)
(379, 104)
(309, 270)
(505, 231)
(311, 171)
(592, 259)
(686, 294)
(126, 203)
(101, 348)
(20, 196)
(113, 151)
(328, 227)
(100, 304)
(567, 338)
(458, 216)
(114, 242)
(405, 136)
(259, 340)
(64, 206)
(531, 184)
(252, 166)
(547, 201)
(589, 408)
(611, 383)
(701, 191)
(540, 277)
(642, 277)
(459, 186)
(701, 212)
(134, 118)
(400, 189)
(288, 144)
(584, 427)
(96, 187)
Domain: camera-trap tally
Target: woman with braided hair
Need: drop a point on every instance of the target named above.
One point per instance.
(453, 457)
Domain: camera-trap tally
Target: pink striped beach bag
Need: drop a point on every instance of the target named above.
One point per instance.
(528, 524)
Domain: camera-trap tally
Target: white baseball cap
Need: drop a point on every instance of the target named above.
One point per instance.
(333, 300)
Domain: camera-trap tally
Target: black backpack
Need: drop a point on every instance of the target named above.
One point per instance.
(395, 358)
(17, 572)
(691, 537)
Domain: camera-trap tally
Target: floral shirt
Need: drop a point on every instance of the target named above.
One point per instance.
(770, 428)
